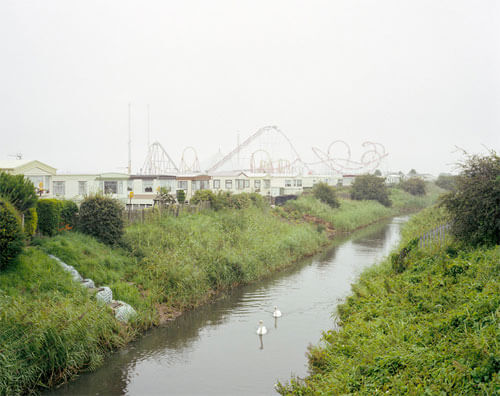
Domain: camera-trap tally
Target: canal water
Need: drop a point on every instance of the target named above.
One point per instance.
(214, 350)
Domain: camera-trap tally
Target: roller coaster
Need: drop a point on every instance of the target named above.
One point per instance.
(270, 151)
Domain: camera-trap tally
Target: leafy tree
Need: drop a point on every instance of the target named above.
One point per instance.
(19, 191)
(412, 172)
(414, 186)
(181, 196)
(446, 181)
(11, 234)
(370, 187)
(326, 194)
(474, 205)
(102, 217)
(377, 172)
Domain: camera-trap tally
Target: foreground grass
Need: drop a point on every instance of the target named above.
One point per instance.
(354, 214)
(50, 327)
(432, 329)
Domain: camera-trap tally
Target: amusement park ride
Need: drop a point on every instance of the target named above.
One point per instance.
(269, 151)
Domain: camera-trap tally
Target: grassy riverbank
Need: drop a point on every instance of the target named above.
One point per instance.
(431, 329)
(355, 214)
(51, 328)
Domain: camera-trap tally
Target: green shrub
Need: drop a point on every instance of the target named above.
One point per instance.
(475, 203)
(69, 214)
(102, 218)
(414, 186)
(19, 191)
(446, 182)
(203, 196)
(326, 194)
(181, 196)
(30, 222)
(258, 200)
(11, 235)
(49, 216)
(370, 187)
(241, 201)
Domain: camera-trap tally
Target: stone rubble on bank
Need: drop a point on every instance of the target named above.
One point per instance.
(122, 311)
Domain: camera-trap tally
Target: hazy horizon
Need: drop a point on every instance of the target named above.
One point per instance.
(421, 78)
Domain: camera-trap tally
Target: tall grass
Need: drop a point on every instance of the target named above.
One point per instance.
(185, 258)
(432, 329)
(50, 328)
(354, 214)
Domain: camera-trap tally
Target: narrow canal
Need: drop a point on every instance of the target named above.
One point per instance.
(214, 350)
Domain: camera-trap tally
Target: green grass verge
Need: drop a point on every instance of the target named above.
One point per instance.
(354, 214)
(432, 329)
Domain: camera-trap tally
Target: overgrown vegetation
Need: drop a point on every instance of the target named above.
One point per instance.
(446, 182)
(353, 214)
(431, 327)
(69, 214)
(413, 185)
(11, 234)
(101, 217)
(19, 191)
(50, 326)
(474, 204)
(370, 187)
(326, 194)
(227, 200)
(49, 216)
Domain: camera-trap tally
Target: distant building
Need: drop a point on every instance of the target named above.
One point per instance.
(145, 187)
(40, 174)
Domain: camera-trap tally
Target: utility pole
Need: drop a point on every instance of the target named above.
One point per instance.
(129, 168)
(149, 127)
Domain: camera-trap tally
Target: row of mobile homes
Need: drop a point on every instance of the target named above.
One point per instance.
(139, 191)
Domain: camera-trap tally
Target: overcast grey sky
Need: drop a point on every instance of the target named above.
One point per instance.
(417, 76)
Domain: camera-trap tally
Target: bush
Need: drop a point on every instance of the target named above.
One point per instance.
(11, 235)
(181, 196)
(326, 194)
(30, 222)
(414, 186)
(69, 214)
(446, 182)
(475, 203)
(102, 217)
(203, 196)
(49, 216)
(19, 191)
(370, 187)
(258, 200)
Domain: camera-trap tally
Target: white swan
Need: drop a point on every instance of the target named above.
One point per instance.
(262, 329)
(277, 312)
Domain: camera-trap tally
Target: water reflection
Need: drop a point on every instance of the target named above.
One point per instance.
(214, 344)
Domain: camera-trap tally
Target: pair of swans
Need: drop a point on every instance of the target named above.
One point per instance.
(262, 329)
